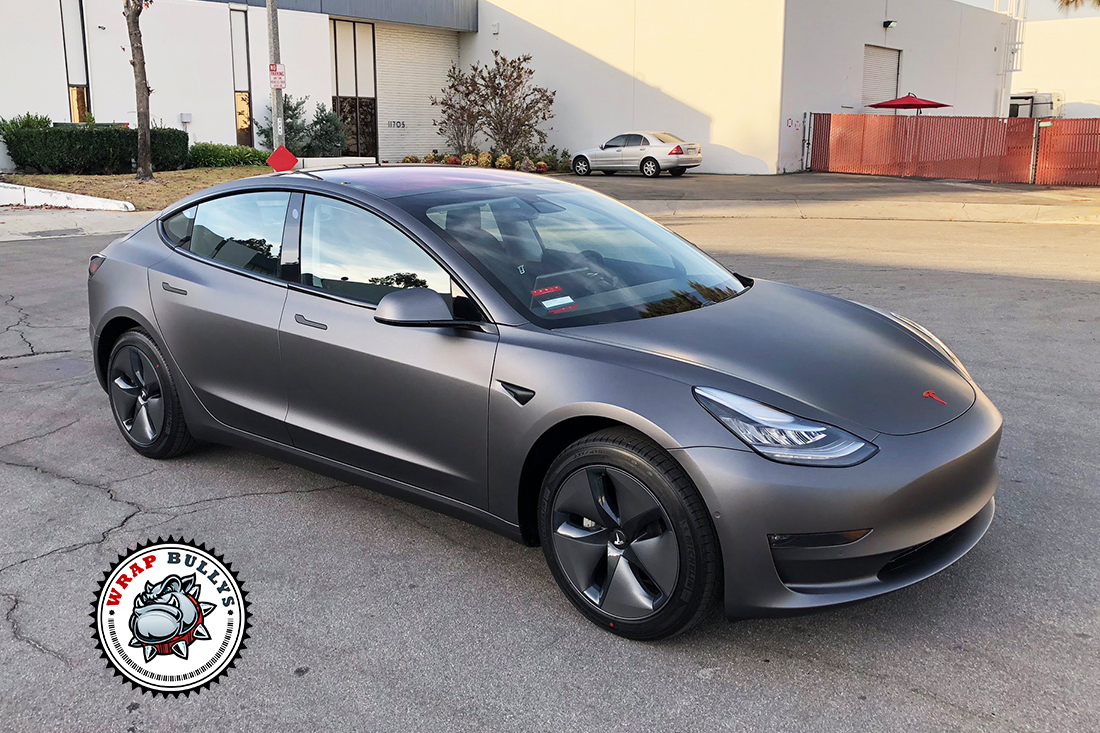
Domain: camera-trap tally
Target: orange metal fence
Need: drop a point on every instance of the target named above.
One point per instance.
(968, 148)
(1069, 152)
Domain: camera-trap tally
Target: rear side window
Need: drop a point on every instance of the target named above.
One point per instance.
(244, 230)
(178, 227)
(632, 140)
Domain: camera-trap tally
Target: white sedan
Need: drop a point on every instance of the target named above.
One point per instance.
(648, 151)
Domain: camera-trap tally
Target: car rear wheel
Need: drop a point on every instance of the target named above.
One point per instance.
(144, 400)
(581, 166)
(627, 536)
(650, 168)
(677, 171)
(609, 173)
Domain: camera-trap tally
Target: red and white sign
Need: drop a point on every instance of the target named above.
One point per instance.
(278, 76)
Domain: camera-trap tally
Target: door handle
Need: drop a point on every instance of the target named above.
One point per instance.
(170, 289)
(306, 322)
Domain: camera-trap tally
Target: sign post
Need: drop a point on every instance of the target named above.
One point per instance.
(278, 75)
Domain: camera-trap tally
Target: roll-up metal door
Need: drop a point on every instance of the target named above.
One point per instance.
(880, 74)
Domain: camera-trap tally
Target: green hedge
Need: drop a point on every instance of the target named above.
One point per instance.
(88, 149)
(216, 155)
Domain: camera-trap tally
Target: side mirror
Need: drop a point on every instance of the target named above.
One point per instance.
(603, 146)
(418, 308)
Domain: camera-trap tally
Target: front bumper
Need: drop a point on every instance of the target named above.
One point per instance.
(927, 499)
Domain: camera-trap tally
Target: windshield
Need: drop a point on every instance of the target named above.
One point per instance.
(565, 256)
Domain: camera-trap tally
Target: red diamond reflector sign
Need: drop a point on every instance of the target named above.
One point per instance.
(282, 159)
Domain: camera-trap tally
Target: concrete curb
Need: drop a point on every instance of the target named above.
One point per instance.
(20, 224)
(13, 195)
(874, 210)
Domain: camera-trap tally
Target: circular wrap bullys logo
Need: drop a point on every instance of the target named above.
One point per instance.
(170, 616)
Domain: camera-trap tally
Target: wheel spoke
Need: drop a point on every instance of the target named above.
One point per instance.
(581, 552)
(141, 429)
(136, 370)
(603, 496)
(154, 409)
(575, 497)
(624, 595)
(149, 377)
(657, 558)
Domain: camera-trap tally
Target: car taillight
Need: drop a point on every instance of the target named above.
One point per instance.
(676, 151)
(94, 263)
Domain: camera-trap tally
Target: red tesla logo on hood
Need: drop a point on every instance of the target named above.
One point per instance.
(932, 396)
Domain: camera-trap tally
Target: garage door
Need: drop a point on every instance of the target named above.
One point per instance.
(412, 66)
(880, 74)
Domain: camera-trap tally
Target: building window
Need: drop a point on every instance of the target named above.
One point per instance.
(242, 77)
(76, 58)
(881, 67)
(78, 103)
(353, 85)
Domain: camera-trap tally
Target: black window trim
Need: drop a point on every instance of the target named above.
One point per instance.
(297, 285)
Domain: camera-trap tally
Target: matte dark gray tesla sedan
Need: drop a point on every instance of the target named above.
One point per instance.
(547, 363)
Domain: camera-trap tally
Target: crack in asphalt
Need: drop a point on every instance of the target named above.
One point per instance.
(21, 637)
(21, 324)
(40, 435)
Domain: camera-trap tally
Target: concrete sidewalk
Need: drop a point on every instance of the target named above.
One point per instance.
(19, 223)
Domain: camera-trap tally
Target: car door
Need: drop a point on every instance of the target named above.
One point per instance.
(610, 156)
(217, 301)
(410, 404)
(633, 151)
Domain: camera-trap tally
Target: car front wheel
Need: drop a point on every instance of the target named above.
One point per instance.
(627, 536)
(581, 166)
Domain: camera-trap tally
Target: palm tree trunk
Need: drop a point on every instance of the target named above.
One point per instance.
(132, 10)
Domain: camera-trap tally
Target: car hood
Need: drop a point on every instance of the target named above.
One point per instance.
(836, 356)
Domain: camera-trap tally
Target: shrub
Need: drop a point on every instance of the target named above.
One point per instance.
(541, 167)
(526, 165)
(324, 136)
(91, 149)
(26, 121)
(461, 109)
(484, 160)
(410, 159)
(565, 162)
(504, 161)
(216, 155)
(469, 159)
(429, 158)
(513, 106)
(454, 160)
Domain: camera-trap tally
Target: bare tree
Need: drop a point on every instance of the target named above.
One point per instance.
(513, 105)
(132, 10)
(1075, 4)
(461, 111)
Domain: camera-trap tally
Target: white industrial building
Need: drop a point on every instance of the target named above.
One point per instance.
(1063, 61)
(736, 75)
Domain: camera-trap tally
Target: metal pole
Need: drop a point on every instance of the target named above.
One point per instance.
(278, 131)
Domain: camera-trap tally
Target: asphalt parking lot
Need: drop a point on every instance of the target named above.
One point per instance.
(370, 614)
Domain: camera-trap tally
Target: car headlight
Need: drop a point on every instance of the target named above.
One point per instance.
(781, 436)
(925, 335)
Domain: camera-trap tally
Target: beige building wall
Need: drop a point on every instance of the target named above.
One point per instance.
(706, 70)
(1064, 56)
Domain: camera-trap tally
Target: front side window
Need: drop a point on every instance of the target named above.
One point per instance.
(616, 142)
(243, 230)
(567, 257)
(351, 252)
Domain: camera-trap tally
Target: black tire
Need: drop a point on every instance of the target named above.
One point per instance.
(609, 173)
(616, 462)
(143, 398)
(582, 166)
(650, 168)
(677, 172)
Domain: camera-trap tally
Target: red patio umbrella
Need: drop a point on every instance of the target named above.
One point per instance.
(909, 101)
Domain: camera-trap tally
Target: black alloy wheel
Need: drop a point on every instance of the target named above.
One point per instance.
(143, 397)
(627, 536)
